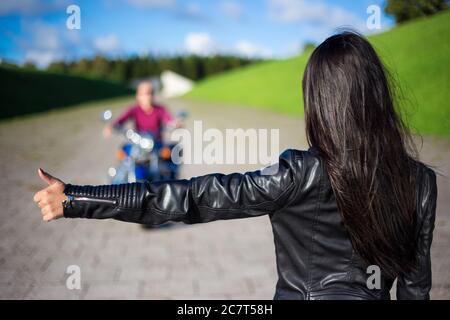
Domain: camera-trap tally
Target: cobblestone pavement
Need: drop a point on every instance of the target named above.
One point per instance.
(220, 260)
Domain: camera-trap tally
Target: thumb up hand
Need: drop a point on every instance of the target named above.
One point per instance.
(50, 199)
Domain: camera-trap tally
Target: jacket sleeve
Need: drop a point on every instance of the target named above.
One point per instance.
(200, 199)
(416, 285)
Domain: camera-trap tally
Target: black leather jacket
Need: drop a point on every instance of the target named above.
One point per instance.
(315, 258)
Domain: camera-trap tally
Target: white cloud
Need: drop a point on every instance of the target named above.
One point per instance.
(315, 13)
(42, 43)
(31, 7)
(41, 58)
(106, 44)
(231, 9)
(44, 36)
(250, 49)
(200, 43)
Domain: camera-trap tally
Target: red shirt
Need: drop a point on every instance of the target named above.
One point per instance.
(152, 121)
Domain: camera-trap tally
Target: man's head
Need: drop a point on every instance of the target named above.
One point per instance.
(144, 94)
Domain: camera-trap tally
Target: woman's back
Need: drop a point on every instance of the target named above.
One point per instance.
(315, 256)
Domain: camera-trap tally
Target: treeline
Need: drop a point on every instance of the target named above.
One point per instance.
(123, 70)
(404, 10)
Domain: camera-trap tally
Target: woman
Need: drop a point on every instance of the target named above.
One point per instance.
(356, 201)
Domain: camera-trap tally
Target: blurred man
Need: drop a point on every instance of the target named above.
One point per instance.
(148, 117)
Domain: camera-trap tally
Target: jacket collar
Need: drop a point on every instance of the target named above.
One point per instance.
(313, 150)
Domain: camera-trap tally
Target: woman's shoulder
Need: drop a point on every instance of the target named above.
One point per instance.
(302, 161)
(300, 154)
(424, 171)
(310, 155)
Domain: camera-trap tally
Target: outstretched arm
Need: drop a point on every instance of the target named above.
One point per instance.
(200, 199)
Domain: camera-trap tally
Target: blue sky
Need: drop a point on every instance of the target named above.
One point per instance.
(36, 29)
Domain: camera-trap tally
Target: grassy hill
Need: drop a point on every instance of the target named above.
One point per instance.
(23, 92)
(417, 53)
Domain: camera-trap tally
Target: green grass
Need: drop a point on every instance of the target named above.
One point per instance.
(417, 53)
(25, 92)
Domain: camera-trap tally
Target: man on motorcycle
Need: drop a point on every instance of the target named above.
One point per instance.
(148, 117)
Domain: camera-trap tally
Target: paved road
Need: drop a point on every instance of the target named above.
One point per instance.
(219, 260)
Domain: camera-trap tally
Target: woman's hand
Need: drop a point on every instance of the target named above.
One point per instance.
(50, 199)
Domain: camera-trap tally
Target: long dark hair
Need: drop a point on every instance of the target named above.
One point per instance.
(367, 150)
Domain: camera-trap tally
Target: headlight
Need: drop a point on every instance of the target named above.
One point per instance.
(107, 115)
(129, 133)
(146, 144)
(136, 138)
(112, 172)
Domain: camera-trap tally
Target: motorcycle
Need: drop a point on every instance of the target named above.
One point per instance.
(142, 157)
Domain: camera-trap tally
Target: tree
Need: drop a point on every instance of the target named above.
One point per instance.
(191, 67)
(404, 10)
(29, 65)
(100, 67)
(58, 66)
(81, 67)
(119, 71)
